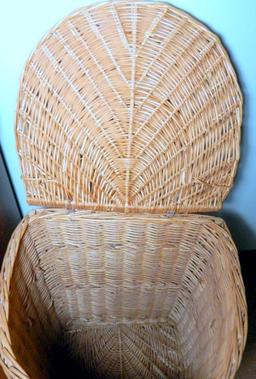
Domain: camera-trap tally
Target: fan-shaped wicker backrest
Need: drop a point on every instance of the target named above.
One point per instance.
(132, 106)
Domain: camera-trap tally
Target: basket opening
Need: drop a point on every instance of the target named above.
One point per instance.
(122, 297)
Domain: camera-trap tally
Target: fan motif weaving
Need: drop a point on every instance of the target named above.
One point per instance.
(131, 111)
(129, 107)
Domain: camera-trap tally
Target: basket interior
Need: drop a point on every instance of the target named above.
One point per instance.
(124, 297)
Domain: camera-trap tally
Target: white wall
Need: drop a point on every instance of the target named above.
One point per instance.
(22, 25)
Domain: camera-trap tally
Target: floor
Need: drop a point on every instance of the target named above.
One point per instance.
(248, 366)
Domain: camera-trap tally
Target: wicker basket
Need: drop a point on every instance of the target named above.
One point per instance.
(130, 111)
(123, 296)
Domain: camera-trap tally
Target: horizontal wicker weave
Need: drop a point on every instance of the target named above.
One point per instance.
(132, 296)
(129, 106)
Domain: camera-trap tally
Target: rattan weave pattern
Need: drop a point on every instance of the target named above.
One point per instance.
(129, 106)
(135, 296)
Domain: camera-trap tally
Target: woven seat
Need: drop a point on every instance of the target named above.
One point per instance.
(128, 113)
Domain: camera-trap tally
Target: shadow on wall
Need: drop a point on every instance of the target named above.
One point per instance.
(242, 234)
(10, 213)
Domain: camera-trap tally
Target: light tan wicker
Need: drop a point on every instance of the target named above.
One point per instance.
(133, 107)
(129, 106)
(132, 296)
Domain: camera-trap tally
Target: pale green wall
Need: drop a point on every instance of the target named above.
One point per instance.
(23, 23)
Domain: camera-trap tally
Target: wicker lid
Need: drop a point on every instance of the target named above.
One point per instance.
(129, 106)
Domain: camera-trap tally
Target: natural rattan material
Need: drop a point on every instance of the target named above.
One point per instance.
(132, 296)
(129, 106)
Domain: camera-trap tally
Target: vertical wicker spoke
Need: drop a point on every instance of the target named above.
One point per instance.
(87, 72)
(132, 102)
(92, 112)
(120, 29)
(162, 50)
(91, 22)
(172, 93)
(99, 65)
(153, 25)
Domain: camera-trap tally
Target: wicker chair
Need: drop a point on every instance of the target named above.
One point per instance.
(128, 119)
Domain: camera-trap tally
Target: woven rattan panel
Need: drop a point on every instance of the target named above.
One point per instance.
(129, 106)
(133, 296)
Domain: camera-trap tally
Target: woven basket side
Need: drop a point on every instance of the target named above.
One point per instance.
(9, 361)
(129, 106)
(28, 326)
(141, 286)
